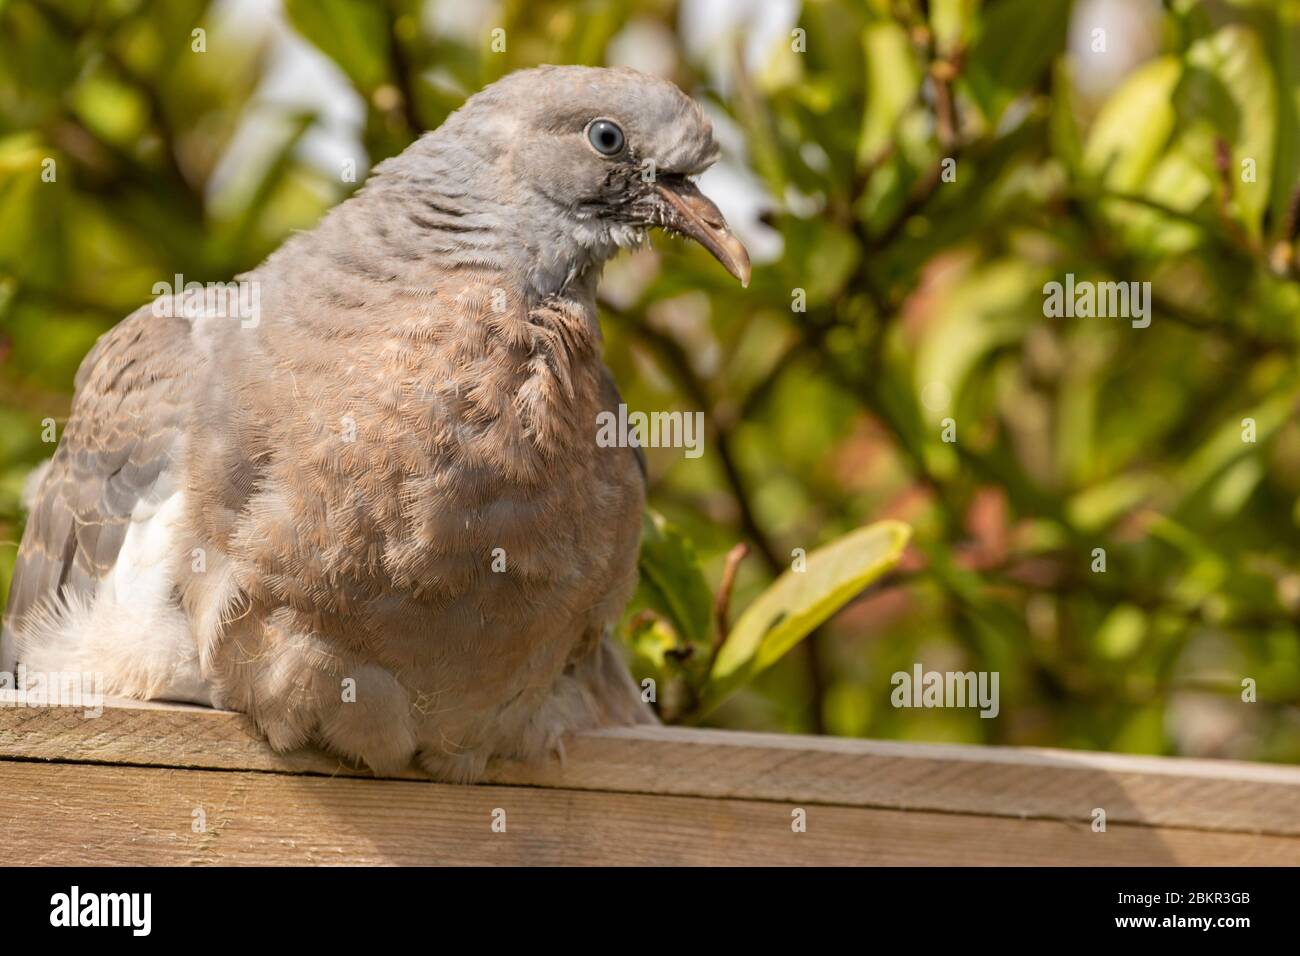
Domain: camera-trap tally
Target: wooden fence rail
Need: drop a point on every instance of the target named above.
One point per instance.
(149, 783)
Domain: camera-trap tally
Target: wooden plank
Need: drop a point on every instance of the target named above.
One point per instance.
(84, 814)
(152, 734)
(1008, 782)
(1222, 796)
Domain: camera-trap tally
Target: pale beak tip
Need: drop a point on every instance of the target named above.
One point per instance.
(737, 259)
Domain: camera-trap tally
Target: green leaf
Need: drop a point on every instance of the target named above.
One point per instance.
(893, 82)
(1227, 89)
(1102, 504)
(1063, 126)
(798, 601)
(983, 310)
(1285, 49)
(951, 22)
(1017, 41)
(1228, 445)
(1143, 732)
(672, 582)
(1133, 128)
(352, 33)
(652, 640)
(1121, 633)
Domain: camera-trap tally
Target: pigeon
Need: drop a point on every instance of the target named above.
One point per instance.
(366, 504)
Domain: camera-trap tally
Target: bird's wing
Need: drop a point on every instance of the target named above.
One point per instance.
(118, 450)
(612, 399)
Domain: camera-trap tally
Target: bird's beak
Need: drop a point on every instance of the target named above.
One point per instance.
(693, 214)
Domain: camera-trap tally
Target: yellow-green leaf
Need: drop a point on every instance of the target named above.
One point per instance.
(798, 601)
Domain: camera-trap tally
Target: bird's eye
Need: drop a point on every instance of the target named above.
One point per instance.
(607, 137)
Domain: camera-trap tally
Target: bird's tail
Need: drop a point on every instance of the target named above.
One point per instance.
(8, 652)
(139, 652)
(31, 496)
(616, 700)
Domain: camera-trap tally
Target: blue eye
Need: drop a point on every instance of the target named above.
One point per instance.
(606, 137)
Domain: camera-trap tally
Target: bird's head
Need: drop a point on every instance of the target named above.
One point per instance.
(596, 157)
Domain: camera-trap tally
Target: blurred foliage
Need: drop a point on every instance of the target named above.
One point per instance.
(927, 167)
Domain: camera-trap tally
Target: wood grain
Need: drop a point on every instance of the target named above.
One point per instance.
(125, 786)
(82, 814)
(1222, 796)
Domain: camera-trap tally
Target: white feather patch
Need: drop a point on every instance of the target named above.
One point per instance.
(131, 630)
